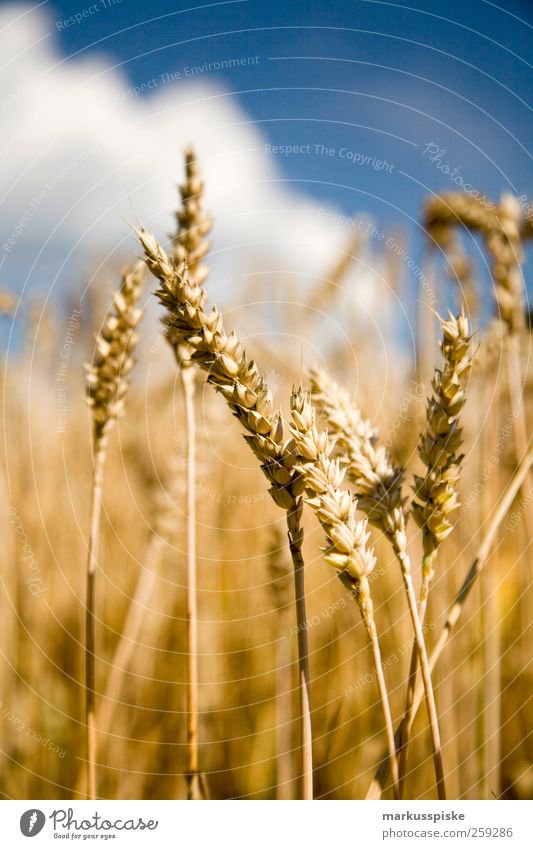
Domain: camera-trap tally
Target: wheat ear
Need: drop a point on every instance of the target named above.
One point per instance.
(493, 523)
(346, 537)
(190, 245)
(107, 384)
(241, 383)
(436, 495)
(503, 227)
(378, 489)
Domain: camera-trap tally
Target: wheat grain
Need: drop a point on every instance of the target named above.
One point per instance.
(436, 496)
(347, 547)
(224, 360)
(378, 489)
(108, 374)
(241, 383)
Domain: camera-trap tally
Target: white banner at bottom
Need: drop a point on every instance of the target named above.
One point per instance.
(268, 825)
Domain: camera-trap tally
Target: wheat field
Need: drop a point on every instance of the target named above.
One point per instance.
(173, 624)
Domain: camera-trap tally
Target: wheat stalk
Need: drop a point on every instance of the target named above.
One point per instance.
(107, 385)
(190, 245)
(279, 587)
(346, 537)
(378, 489)
(241, 383)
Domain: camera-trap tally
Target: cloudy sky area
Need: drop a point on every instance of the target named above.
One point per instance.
(97, 99)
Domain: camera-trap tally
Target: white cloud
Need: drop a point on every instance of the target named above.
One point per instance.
(81, 159)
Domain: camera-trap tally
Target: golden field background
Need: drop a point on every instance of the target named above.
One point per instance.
(246, 600)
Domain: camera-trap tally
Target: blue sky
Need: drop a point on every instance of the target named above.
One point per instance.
(379, 104)
(382, 79)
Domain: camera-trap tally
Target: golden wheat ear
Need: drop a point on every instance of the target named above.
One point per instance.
(109, 373)
(108, 379)
(436, 492)
(223, 358)
(193, 223)
(346, 547)
(377, 486)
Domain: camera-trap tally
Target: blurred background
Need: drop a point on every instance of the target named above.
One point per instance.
(320, 131)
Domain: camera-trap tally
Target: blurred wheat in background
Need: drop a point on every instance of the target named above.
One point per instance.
(213, 653)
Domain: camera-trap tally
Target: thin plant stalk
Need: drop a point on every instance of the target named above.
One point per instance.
(494, 522)
(190, 245)
(107, 385)
(420, 654)
(278, 569)
(491, 625)
(284, 789)
(413, 668)
(126, 645)
(367, 615)
(191, 616)
(90, 666)
(304, 683)
(383, 695)
(516, 396)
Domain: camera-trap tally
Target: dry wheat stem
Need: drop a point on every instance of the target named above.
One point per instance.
(378, 489)
(136, 616)
(494, 522)
(241, 383)
(491, 711)
(194, 784)
(107, 384)
(279, 574)
(346, 537)
(90, 674)
(190, 245)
